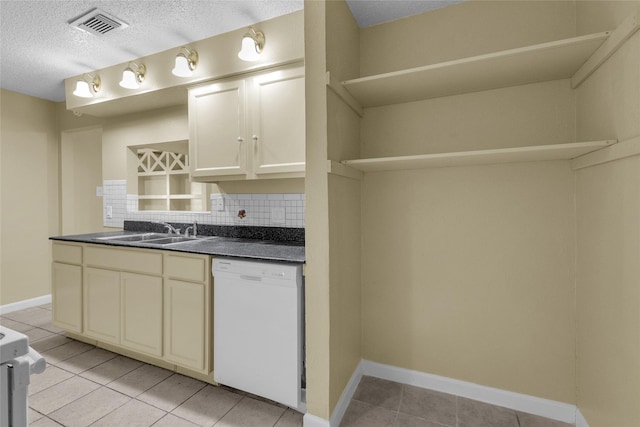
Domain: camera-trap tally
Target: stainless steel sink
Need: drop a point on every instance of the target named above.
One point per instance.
(152, 239)
(134, 237)
(171, 240)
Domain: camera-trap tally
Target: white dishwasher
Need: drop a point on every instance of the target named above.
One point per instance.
(259, 328)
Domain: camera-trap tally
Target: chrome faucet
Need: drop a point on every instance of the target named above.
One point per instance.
(194, 230)
(171, 228)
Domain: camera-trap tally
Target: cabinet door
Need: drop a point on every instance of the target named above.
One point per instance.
(185, 314)
(102, 304)
(141, 308)
(66, 290)
(278, 122)
(217, 129)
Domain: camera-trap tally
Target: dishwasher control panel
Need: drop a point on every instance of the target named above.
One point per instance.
(256, 269)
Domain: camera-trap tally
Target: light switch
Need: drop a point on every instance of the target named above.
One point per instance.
(99, 191)
(109, 212)
(278, 215)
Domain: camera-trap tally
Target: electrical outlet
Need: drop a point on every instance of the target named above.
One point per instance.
(99, 191)
(109, 212)
(217, 204)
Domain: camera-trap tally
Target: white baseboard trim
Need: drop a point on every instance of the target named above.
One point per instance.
(28, 303)
(347, 395)
(313, 421)
(342, 405)
(580, 420)
(520, 402)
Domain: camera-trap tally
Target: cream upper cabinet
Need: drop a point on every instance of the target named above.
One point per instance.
(248, 128)
(278, 123)
(217, 130)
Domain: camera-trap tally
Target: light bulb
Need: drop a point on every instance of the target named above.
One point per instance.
(249, 50)
(83, 90)
(182, 68)
(129, 79)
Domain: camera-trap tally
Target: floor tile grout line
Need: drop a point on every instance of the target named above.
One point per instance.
(230, 409)
(67, 358)
(113, 410)
(68, 403)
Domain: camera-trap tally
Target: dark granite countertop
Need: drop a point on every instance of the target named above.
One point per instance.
(263, 243)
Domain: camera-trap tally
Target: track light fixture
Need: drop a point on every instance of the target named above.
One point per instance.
(186, 62)
(133, 75)
(252, 45)
(87, 86)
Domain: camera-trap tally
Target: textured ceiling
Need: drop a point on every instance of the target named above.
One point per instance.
(38, 49)
(371, 12)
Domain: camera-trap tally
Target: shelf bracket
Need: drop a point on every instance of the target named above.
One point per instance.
(623, 149)
(343, 94)
(615, 40)
(340, 169)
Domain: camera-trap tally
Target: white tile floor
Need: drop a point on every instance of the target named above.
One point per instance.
(88, 386)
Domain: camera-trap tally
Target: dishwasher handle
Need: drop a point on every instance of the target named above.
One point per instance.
(252, 278)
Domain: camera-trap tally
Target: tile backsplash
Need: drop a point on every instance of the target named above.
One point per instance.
(265, 210)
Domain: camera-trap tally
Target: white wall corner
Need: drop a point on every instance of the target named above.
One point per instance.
(580, 419)
(347, 395)
(520, 402)
(21, 305)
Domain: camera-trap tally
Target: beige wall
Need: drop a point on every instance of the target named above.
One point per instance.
(317, 212)
(467, 29)
(344, 195)
(29, 195)
(333, 209)
(468, 274)
(468, 271)
(476, 121)
(166, 125)
(608, 231)
(80, 175)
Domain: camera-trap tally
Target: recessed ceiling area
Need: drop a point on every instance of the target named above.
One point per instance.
(36, 61)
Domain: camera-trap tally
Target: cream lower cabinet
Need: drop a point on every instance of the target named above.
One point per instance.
(141, 313)
(150, 302)
(187, 312)
(124, 309)
(66, 286)
(101, 304)
(249, 128)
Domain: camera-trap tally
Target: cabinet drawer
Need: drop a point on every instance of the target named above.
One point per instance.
(69, 254)
(194, 269)
(124, 259)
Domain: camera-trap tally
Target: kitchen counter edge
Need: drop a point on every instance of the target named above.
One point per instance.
(281, 251)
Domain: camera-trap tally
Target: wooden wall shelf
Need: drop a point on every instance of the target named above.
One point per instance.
(480, 157)
(542, 62)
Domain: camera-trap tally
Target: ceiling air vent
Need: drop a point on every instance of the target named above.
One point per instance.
(98, 22)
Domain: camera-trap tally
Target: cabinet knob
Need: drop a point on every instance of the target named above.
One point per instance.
(240, 139)
(254, 137)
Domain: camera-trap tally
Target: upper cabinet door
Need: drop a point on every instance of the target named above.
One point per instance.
(217, 130)
(278, 123)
